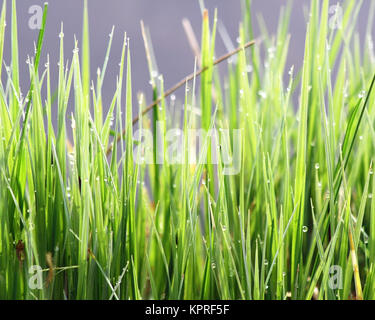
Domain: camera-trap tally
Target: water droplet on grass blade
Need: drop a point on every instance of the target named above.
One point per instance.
(154, 73)
(305, 229)
(362, 94)
(291, 71)
(262, 94)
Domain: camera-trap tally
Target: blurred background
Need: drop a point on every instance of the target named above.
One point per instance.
(164, 20)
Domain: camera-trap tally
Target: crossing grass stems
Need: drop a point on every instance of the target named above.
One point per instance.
(302, 202)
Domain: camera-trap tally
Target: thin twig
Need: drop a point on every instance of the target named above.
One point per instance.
(182, 83)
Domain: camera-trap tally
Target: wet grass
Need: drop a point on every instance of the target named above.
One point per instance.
(297, 221)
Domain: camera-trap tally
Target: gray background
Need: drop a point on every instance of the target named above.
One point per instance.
(163, 17)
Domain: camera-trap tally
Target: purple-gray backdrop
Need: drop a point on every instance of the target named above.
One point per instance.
(163, 17)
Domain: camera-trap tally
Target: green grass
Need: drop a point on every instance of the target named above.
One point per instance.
(102, 225)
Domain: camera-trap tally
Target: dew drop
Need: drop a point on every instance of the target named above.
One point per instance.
(154, 74)
(291, 71)
(249, 68)
(262, 94)
(362, 94)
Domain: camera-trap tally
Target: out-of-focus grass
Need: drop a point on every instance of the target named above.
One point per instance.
(109, 227)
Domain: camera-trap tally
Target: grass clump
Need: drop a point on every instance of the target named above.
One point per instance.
(295, 221)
